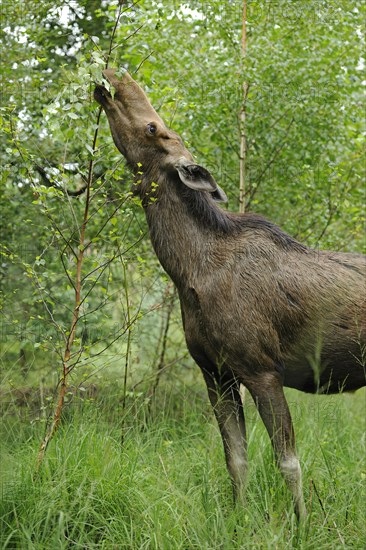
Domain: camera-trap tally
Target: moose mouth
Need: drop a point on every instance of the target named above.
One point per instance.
(101, 95)
(117, 120)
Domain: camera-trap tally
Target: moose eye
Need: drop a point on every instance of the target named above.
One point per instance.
(151, 128)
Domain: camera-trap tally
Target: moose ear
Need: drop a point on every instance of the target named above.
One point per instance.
(198, 178)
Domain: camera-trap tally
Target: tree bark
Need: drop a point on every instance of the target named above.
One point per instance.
(243, 183)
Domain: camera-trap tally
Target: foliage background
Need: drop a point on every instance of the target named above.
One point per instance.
(305, 167)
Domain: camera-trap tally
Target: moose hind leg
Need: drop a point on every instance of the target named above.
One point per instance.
(225, 399)
(291, 471)
(267, 392)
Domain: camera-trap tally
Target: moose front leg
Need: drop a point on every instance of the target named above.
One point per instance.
(225, 398)
(267, 392)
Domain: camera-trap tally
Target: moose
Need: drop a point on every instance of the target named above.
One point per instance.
(258, 308)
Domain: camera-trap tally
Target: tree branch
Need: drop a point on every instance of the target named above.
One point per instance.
(49, 183)
(276, 151)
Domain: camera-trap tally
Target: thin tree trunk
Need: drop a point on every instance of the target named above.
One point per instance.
(63, 385)
(243, 183)
(66, 368)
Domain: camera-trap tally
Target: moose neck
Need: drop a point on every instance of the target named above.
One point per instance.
(184, 227)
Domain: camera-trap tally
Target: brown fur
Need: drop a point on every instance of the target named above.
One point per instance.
(258, 307)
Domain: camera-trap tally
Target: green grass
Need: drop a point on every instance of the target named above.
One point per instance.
(167, 487)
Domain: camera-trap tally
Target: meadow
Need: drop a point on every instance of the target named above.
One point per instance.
(155, 477)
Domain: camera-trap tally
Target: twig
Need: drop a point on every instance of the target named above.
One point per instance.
(276, 151)
(49, 183)
(164, 340)
(143, 61)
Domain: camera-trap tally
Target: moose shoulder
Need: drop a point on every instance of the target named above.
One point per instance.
(258, 307)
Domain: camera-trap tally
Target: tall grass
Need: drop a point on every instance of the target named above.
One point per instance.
(167, 487)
